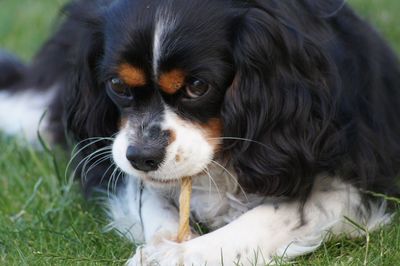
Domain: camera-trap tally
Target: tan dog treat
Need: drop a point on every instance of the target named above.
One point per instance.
(184, 209)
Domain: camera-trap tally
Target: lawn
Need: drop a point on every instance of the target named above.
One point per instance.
(45, 221)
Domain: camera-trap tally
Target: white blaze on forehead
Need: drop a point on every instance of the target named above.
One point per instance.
(164, 23)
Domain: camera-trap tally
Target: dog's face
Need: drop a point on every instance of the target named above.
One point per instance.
(182, 83)
(167, 68)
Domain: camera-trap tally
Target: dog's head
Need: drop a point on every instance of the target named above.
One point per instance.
(182, 83)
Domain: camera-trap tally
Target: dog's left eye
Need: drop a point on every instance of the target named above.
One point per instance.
(196, 88)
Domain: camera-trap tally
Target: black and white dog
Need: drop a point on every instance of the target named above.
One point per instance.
(285, 113)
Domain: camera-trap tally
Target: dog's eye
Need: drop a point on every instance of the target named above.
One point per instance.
(119, 87)
(196, 88)
(120, 93)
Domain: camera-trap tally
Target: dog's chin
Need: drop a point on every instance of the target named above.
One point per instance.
(160, 182)
(160, 178)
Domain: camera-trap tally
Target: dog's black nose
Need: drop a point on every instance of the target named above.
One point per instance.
(145, 159)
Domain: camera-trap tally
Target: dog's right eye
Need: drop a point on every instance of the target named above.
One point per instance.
(119, 87)
(119, 92)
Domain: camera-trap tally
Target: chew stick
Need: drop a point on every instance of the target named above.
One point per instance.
(184, 209)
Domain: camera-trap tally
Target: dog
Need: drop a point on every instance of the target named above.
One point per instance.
(284, 113)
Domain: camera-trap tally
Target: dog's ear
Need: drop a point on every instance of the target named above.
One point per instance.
(88, 111)
(278, 112)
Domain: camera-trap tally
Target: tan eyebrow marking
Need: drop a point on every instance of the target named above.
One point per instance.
(132, 76)
(171, 81)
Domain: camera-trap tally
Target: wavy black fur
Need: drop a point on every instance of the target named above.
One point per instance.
(309, 80)
(319, 94)
(12, 70)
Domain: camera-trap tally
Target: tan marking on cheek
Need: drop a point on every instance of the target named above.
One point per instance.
(170, 82)
(132, 76)
(172, 136)
(178, 158)
(213, 132)
(122, 122)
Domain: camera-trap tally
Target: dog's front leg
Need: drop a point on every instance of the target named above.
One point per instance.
(142, 215)
(271, 231)
(252, 239)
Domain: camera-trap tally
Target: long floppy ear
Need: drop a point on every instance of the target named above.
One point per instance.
(88, 113)
(279, 105)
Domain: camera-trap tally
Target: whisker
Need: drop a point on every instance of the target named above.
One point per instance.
(88, 157)
(215, 183)
(110, 181)
(104, 157)
(93, 155)
(116, 181)
(113, 135)
(96, 163)
(75, 153)
(102, 152)
(233, 178)
(93, 138)
(242, 139)
(209, 183)
(106, 171)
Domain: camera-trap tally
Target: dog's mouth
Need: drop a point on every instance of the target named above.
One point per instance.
(163, 182)
(157, 181)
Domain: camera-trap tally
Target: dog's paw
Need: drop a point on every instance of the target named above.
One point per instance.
(169, 253)
(160, 254)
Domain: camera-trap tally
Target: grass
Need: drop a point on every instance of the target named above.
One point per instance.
(45, 221)
(43, 218)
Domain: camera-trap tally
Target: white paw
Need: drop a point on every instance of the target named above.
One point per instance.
(166, 253)
(170, 253)
(199, 252)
